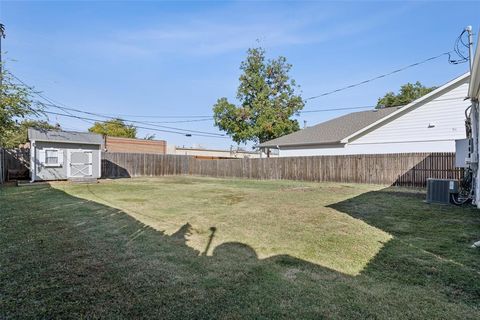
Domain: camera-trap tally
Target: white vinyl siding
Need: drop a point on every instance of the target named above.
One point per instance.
(446, 113)
(431, 127)
(376, 148)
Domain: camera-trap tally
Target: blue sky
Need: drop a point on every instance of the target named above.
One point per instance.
(162, 58)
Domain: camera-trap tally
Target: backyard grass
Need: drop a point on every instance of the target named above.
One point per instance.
(202, 248)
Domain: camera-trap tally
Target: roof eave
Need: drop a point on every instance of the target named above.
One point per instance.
(64, 141)
(299, 144)
(407, 107)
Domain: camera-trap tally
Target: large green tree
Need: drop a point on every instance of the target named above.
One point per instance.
(18, 135)
(114, 128)
(408, 93)
(16, 103)
(267, 101)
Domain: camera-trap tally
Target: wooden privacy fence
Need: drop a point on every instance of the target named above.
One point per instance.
(2, 166)
(405, 169)
(124, 165)
(14, 164)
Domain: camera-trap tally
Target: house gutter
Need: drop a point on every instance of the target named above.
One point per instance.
(276, 146)
(73, 141)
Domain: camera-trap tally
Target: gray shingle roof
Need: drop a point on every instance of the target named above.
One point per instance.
(64, 136)
(331, 131)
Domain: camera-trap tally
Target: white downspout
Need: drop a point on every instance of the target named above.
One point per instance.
(475, 108)
(33, 160)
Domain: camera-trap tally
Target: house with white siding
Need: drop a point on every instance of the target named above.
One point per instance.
(431, 123)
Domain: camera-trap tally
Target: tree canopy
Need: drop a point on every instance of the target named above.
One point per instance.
(18, 135)
(16, 103)
(114, 128)
(267, 101)
(408, 93)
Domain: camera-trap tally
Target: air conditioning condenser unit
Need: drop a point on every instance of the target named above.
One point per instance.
(441, 190)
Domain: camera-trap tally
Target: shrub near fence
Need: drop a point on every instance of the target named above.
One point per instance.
(406, 169)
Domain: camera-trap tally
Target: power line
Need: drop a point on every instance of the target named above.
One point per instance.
(337, 109)
(163, 117)
(132, 121)
(379, 77)
(154, 123)
(40, 95)
(211, 118)
(141, 127)
(199, 118)
(183, 121)
(67, 110)
(458, 51)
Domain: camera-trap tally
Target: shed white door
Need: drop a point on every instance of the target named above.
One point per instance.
(79, 163)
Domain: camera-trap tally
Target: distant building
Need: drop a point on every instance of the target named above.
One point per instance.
(128, 145)
(431, 123)
(203, 153)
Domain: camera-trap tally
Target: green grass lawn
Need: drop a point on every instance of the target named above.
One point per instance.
(201, 248)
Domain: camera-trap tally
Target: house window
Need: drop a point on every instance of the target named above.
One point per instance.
(51, 157)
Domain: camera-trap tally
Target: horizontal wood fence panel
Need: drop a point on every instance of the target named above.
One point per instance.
(404, 169)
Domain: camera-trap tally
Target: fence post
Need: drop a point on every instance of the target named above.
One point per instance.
(406, 169)
(2, 166)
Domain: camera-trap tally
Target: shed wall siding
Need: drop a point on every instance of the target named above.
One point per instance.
(408, 133)
(60, 173)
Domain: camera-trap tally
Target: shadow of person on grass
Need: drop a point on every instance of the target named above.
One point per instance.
(88, 260)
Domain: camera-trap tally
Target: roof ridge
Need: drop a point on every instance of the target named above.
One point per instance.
(61, 130)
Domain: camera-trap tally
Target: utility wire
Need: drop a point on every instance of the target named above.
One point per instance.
(67, 110)
(458, 51)
(141, 127)
(337, 109)
(122, 116)
(209, 119)
(379, 77)
(41, 95)
(161, 117)
(198, 118)
(132, 121)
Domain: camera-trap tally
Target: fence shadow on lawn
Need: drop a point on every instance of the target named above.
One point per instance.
(87, 259)
(440, 236)
(417, 169)
(112, 170)
(405, 169)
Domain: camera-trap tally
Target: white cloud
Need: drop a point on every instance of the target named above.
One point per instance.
(216, 34)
